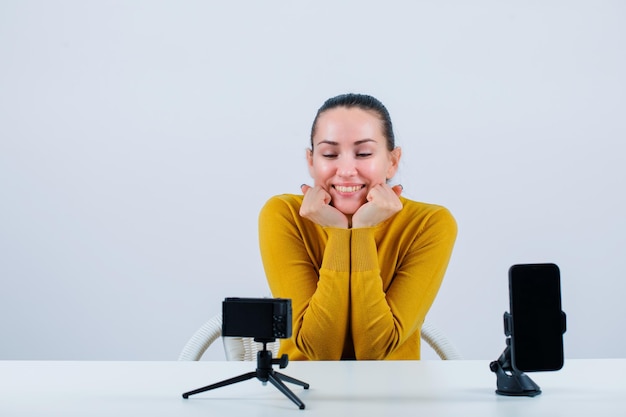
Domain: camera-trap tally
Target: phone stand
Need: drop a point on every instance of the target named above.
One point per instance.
(510, 381)
(264, 372)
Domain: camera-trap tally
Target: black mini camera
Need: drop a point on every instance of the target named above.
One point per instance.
(261, 318)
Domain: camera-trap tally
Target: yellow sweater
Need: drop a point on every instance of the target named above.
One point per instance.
(356, 293)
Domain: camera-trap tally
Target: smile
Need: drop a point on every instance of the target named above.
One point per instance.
(348, 189)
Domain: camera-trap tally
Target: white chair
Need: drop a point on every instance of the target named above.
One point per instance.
(245, 348)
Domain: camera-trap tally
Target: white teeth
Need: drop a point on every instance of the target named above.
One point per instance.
(352, 189)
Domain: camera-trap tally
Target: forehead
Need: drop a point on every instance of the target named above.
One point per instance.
(353, 124)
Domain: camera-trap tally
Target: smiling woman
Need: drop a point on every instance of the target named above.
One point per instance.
(361, 263)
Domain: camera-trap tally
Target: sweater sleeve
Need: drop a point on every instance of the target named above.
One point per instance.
(319, 292)
(383, 319)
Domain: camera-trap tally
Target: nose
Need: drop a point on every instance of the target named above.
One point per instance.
(346, 167)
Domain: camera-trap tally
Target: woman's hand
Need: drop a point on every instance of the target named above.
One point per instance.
(382, 202)
(316, 207)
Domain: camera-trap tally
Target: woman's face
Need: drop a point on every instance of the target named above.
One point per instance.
(350, 156)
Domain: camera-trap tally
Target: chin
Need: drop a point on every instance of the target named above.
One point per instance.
(348, 210)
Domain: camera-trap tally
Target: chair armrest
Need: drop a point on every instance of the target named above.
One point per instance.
(202, 339)
(439, 342)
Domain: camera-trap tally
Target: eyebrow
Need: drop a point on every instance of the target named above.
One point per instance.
(333, 143)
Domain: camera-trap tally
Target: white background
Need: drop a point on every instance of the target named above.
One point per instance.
(139, 139)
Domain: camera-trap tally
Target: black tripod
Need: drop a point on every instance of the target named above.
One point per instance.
(264, 373)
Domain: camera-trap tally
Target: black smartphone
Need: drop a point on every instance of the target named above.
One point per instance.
(537, 319)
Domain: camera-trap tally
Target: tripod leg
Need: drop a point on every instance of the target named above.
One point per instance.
(223, 383)
(283, 388)
(287, 378)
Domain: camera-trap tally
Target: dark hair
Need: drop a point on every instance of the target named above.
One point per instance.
(363, 102)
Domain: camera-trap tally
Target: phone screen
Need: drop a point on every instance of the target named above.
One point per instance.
(538, 322)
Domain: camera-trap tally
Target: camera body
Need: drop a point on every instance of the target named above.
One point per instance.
(261, 318)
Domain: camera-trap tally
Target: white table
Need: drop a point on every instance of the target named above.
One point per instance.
(379, 388)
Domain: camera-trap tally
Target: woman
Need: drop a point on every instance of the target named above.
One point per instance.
(361, 264)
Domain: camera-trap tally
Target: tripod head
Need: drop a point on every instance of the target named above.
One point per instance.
(265, 360)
